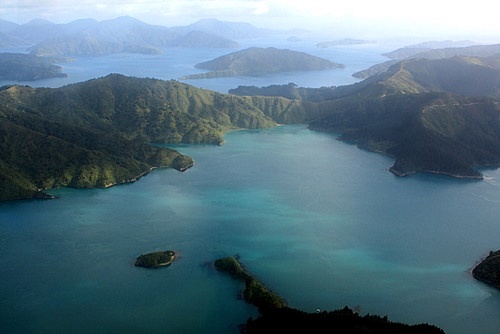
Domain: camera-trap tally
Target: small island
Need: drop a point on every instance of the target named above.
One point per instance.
(155, 259)
(488, 270)
(277, 317)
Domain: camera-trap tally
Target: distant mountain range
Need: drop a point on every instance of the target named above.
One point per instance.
(260, 61)
(429, 53)
(124, 34)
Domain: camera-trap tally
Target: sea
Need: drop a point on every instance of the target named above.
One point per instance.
(319, 221)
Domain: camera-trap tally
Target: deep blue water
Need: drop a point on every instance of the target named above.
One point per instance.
(319, 221)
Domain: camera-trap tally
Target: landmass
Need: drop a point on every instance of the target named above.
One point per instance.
(155, 259)
(260, 61)
(432, 116)
(111, 130)
(488, 270)
(26, 67)
(97, 38)
(277, 317)
(423, 51)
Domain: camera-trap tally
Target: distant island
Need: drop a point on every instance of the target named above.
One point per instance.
(26, 67)
(260, 61)
(345, 41)
(488, 270)
(277, 317)
(155, 259)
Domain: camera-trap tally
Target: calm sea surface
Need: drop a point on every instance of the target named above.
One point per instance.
(319, 221)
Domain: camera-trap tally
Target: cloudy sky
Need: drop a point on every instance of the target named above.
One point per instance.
(440, 17)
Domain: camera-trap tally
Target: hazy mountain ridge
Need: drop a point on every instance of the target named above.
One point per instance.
(230, 30)
(470, 51)
(414, 49)
(260, 61)
(90, 37)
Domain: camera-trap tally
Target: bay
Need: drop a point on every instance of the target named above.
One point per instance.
(321, 222)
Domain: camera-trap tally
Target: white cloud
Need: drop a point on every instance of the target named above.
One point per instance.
(414, 16)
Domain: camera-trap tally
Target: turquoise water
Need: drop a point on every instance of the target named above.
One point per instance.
(319, 221)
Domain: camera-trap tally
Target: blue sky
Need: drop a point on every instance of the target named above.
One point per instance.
(399, 17)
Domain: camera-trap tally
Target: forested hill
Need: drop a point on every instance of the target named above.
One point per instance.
(440, 116)
(99, 133)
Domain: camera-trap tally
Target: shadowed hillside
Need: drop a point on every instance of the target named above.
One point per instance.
(439, 116)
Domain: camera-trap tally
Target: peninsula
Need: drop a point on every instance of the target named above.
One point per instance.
(277, 317)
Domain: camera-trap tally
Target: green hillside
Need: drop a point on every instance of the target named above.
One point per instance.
(440, 116)
(99, 133)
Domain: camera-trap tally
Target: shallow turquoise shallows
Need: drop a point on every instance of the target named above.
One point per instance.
(319, 221)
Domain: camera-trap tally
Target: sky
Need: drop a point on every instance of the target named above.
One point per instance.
(441, 18)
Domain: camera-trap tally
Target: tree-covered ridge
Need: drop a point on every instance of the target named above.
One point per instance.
(277, 317)
(439, 116)
(260, 61)
(428, 132)
(99, 133)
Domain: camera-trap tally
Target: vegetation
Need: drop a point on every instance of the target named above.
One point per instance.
(255, 292)
(488, 270)
(277, 317)
(25, 67)
(259, 61)
(155, 259)
(290, 91)
(99, 133)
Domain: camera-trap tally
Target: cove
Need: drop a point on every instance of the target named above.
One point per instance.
(321, 222)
